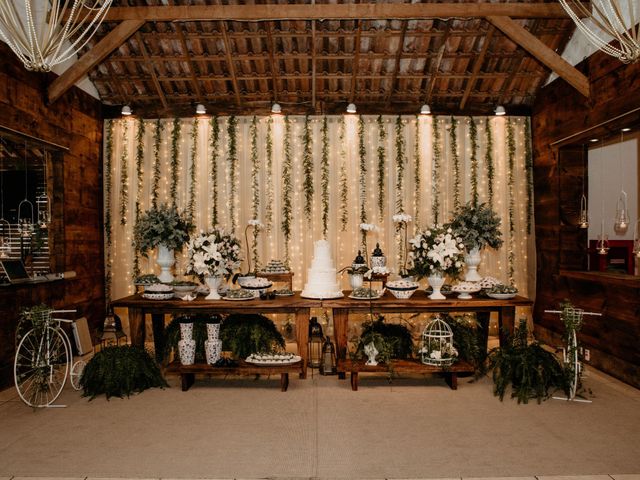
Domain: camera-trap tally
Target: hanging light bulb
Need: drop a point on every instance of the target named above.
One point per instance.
(621, 222)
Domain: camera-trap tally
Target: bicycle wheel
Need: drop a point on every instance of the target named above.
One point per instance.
(76, 374)
(41, 366)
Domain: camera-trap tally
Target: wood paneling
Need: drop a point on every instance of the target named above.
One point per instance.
(74, 121)
(558, 113)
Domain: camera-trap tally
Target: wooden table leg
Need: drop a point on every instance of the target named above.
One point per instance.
(302, 337)
(136, 326)
(187, 379)
(452, 379)
(354, 381)
(157, 321)
(506, 323)
(482, 335)
(340, 328)
(284, 381)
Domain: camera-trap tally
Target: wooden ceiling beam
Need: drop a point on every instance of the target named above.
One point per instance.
(313, 65)
(477, 66)
(396, 67)
(190, 65)
(347, 11)
(542, 53)
(356, 63)
(95, 55)
(152, 70)
(232, 68)
(436, 69)
(272, 62)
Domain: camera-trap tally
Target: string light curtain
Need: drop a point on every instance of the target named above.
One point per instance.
(518, 245)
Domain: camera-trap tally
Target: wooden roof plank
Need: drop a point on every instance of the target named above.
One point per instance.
(271, 49)
(356, 63)
(190, 65)
(232, 68)
(476, 67)
(396, 67)
(152, 70)
(95, 55)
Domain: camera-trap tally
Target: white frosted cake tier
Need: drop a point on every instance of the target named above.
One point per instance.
(321, 277)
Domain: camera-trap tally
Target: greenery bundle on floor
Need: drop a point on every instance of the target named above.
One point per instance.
(172, 334)
(244, 334)
(465, 340)
(392, 340)
(120, 370)
(530, 370)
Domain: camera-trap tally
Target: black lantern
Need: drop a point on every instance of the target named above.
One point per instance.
(316, 338)
(112, 330)
(328, 363)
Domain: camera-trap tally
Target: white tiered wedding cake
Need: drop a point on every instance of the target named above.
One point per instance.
(321, 277)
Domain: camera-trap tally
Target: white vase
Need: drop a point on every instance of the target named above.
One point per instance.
(165, 260)
(356, 280)
(213, 331)
(187, 350)
(436, 281)
(212, 350)
(213, 283)
(186, 331)
(472, 259)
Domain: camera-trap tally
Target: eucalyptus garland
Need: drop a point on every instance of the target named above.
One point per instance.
(193, 171)
(344, 183)
(139, 185)
(324, 168)
(269, 179)
(488, 161)
(286, 189)
(124, 174)
(307, 168)
(400, 164)
(232, 132)
(511, 151)
(417, 179)
(175, 161)
(214, 141)
(157, 139)
(528, 165)
(107, 209)
(473, 134)
(382, 160)
(435, 172)
(362, 170)
(453, 140)
(255, 189)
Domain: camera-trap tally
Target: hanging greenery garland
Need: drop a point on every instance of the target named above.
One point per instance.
(232, 132)
(269, 179)
(307, 168)
(324, 167)
(286, 189)
(344, 184)
(473, 134)
(139, 185)
(214, 140)
(362, 170)
(193, 171)
(488, 160)
(435, 172)
(382, 161)
(255, 190)
(511, 148)
(157, 139)
(528, 165)
(417, 179)
(124, 174)
(453, 140)
(175, 161)
(400, 164)
(108, 154)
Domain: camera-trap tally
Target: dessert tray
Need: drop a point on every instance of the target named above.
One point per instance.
(283, 292)
(273, 358)
(364, 293)
(446, 289)
(144, 280)
(488, 282)
(402, 285)
(238, 295)
(275, 267)
(257, 283)
(502, 292)
(465, 289)
(501, 296)
(158, 291)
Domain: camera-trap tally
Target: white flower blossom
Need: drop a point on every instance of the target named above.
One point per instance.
(402, 218)
(368, 227)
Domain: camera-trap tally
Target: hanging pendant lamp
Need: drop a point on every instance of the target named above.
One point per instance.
(5, 226)
(26, 212)
(584, 213)
(621, 221)
(43, 203)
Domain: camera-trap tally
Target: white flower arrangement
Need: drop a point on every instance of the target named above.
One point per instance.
(437, 251)
(402, 218)
(368, 227)
(254, 222)
(377, 271)
(447, 351)
(212, 254)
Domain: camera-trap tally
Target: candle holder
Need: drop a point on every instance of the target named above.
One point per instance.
(621, 223)
(603, 244)
(584, 214)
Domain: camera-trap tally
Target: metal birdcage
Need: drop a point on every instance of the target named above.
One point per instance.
(437, 343)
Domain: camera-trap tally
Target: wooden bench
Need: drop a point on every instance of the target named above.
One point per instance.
(188, 372)
(404, 366)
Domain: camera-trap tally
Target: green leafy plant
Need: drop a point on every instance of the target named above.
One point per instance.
(477, 226)
(392, 340)
(120, 370)
(244, 334)
(527, 368)
(162, 224)
(466, 341)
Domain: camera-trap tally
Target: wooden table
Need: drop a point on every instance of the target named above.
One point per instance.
(138, 307)
(418, 303)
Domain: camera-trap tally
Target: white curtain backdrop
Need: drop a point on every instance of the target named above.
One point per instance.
(345, 244)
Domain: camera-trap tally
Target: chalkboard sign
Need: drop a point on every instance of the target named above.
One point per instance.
(15, 271)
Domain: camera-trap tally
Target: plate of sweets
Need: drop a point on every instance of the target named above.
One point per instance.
(283, 358)
(365, 293)
(238, 295)
(146, 280)
(502, 292)
(465, 289)
(158, 291)
(275, 267)
(283, 292)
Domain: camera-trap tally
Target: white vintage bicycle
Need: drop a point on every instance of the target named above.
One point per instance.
(44, 359)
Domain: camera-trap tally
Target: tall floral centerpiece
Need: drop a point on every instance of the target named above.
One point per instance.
(366, 228)
(402, 224)
(212, 256)
(436, 252)
(257, 226)
(163, 227)
(478, 226)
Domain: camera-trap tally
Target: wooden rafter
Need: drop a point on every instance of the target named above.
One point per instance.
(272, 61)
(313, 65)
(541, 52)
(190, 65)
(356, 62)
(347, 11)
(95, 55)
(152, 71)
(514, 67)
(476, 67)
(436, 69)
(115, 80)
(396, 67)
(232, 68)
